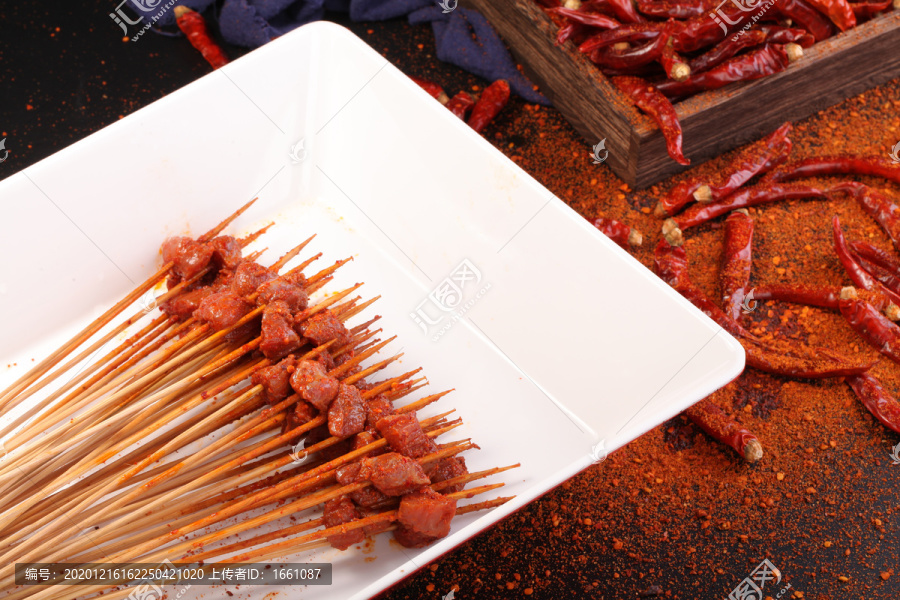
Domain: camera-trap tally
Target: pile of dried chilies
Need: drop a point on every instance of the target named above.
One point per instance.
(662, 51)
(870, 308)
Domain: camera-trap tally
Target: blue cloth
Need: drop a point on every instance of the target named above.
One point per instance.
(463, 37)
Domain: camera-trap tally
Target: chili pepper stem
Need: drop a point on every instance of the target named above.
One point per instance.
(680, 72)
(635, 238)
(753, 451)
(703, 194)
(572, 4)
(672, 232)
(795, 51)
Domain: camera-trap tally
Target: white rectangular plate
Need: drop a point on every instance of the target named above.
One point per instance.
(562, 340)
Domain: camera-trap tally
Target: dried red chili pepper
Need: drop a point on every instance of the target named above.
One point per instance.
(571, 30)
(747, 165)
(837, 165)
(870, 324)
(790, 360)
(799, 294)
(879, 206)
(672, 10)
(887, 279)
(823, 297)
(838, 11)
(868, 9)
(433, 89)
(639, 56)
(619, 232)
(671, 266)
(722, 428)
(461, 104)
(624, 10)
(709, 29)
(493, 99)
(787, 35)
(727, 49)
(859, 276)
(673, 64)
(807, 17)
(677, 198)
(647, 98)
(637, 32)
(877, 400)
(876, 255)
(767, 60)
(193, 25)
(586, 18)
(737, 261)
(744, 198)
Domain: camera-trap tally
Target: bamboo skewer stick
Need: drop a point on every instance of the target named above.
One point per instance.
(104, 490)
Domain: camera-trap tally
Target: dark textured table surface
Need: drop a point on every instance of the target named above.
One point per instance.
(648, 522)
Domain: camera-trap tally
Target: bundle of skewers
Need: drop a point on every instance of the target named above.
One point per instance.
(262, 370)
(762, 174)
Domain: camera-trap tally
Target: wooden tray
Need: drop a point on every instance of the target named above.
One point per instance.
(713, 122)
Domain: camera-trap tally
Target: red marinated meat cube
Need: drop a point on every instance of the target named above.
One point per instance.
(323, 327)
(347, 474)
(248, 276)
(226, 252)
(427, 513)
(393, 474)
(408, 538)
(347, 413)
(275, 380)
(222, 310)
(337, 512)
(368, 496)
(299, 414)
(283, 289)
(377, 408)
(278, 336)
(184, 305)
(189, 256)
(326, 359)
(314, 385)
(404, 434)
(333, 451)
(448, 468)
